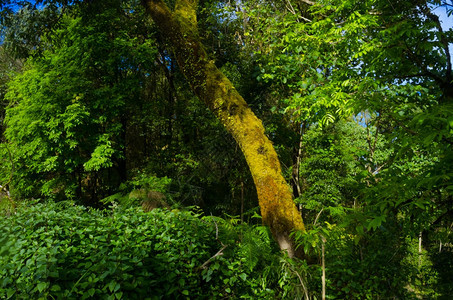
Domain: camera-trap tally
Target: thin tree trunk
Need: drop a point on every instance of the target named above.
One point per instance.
(323, 266)
(420, 250)
(242, 202)
(218, 93)
(297, 190)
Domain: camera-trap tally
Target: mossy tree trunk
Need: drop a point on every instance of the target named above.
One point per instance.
(217, 92)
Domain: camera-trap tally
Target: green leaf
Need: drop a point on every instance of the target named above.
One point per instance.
(10, 293)
(41, 286)
(112, 286)
(55, 288)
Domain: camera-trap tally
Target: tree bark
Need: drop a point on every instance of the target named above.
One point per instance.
(213, 88)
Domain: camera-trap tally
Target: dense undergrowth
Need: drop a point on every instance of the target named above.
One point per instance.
(65, 251)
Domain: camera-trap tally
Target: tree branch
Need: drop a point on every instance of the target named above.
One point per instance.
(219, 253)
(307, 2)
(443, 40)
(423, 66)
(423, 74)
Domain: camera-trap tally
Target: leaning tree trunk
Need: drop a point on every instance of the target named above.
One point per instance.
(218, 93)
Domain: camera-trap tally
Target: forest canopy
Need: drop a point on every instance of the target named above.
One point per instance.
(323, 128)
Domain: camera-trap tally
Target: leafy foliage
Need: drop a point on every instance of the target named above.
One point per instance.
(355, 95)
(68, 112)
(69, 251)
(61, 250)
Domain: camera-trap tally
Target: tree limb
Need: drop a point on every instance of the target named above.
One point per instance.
(307, 2)
(219, 253)
(443, 40)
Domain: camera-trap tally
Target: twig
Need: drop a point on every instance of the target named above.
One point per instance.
(290, 7)
(219, 253)
(323, 266)
(308, 2)
(305, 19)
(307, 296)
(216, 230)
(317, 217)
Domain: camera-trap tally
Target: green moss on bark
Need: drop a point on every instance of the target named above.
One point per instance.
(218, 93)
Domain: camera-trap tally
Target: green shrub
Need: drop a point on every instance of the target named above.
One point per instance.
(63, 251)
(75, 252)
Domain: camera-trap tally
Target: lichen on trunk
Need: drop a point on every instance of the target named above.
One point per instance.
(218, 93)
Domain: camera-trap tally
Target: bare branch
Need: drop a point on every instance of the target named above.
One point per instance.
(378, 169)
(216, 229)
(307, 2)
(290, 7)
(317, 216)
(305, 19)
(219, 253)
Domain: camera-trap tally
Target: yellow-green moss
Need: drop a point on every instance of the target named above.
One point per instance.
(218, 93)
(186, 14)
